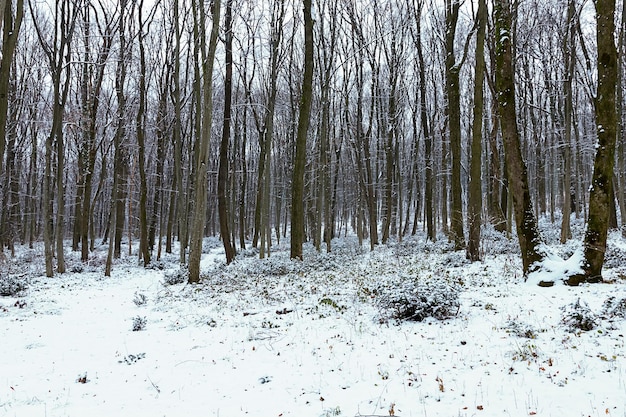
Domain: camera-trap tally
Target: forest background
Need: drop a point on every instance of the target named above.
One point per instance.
(146, 123)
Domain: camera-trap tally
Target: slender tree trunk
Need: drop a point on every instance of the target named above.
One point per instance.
(199, 213)
(526, 224)
(429, 181)
(475, 185)
(181, 200)
(222, 180)
(297, 200)
(161, 133)
(11, 27)
(570, 62)
(453, 110)
(144, 248)
(621, 144)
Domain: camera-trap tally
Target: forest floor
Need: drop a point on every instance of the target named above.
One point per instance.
(276, 337)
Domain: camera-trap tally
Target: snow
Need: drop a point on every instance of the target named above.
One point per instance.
(276, 337)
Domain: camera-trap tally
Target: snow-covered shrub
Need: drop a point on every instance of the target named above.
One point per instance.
(177, 276)
(140, 299)
(210, 243)
(12, 285)
(498, 243)
(417, 298)
(139, 323)
(578, 316)
(131, 359)
(525, 352)
(277, 265)
(520, 329)
(156, 265)
(613, 307)
(615, 257)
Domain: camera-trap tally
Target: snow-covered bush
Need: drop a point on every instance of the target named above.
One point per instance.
(613, 307)
(176, 276)
(520, 329)
(578, 316)
(140, 299)
(139, 323)
(12, 285)
(156, 265)
(615, 257)
(416, 298)
(498, 243)
(211, 243)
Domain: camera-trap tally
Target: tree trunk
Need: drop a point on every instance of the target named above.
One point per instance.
(431, 230)
(144, 248)
(526, 224)
(11, 27)
(453, 110)
(199, 213)
(181, 201)
(222, 179)
(475, 184)
(297, 200)
(570, 63)
(601, 191)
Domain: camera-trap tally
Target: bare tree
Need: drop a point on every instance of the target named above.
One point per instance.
(601, 192)
(11, 24)
(199, 217)
(297, 204)
(517, 173)
(57, 50)
(453, 110)
(475, 186)
(222, 179)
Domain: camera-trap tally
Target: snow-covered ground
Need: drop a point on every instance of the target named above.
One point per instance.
(276, 337)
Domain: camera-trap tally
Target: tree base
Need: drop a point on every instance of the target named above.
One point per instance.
(576, 280)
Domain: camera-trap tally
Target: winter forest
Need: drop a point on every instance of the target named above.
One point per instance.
(170, 120)
(434, 168)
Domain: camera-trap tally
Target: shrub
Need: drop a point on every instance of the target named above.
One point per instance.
(519, 329)
(612, 307)
(139, 323)
(578, 316)
(416, 298)
(11, 285)
(140, 299)
(177, 276)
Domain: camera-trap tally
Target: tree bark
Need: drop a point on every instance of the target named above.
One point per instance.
(297, 200)
(601, 191)
(525, 221)
(475, 184)
(11, 27)
(140, 125)
(199, 215)
(222, 180)
(570, 62)
(453, 111)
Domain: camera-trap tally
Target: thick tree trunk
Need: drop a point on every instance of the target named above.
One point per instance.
(601, 191)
